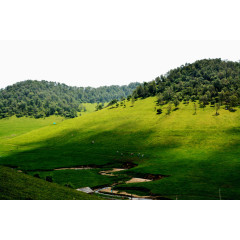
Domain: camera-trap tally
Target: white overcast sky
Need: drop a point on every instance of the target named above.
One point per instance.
(98, 63)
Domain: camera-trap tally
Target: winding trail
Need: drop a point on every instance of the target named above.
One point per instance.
(108, 191)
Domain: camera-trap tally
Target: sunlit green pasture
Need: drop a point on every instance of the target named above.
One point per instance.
(199, 153)
(13, 127)
(89, 107)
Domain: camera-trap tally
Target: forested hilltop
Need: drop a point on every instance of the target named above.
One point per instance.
(211, 81)
(42, 98)
(208, 81)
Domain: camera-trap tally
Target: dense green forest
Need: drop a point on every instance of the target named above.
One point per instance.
(42, 98)
(211, 81)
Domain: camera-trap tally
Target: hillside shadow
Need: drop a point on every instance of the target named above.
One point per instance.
(107, 148)
(113, 148)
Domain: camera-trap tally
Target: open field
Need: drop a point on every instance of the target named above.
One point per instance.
(13, 127)
(90, 107)
(196, 154)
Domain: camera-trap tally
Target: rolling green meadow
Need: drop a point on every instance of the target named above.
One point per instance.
(196, 154)
(13, 127)
(90, 107)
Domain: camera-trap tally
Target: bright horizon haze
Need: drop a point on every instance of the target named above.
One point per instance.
(103, 63)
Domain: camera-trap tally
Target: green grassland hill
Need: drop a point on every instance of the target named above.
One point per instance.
(15, 185)
(197, 153)
(189, 149)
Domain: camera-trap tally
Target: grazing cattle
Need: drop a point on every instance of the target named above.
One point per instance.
(93, 142)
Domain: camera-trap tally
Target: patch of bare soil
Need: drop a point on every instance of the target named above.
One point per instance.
(154, 177)
(128, 165)
(109, 172)
(138, 180)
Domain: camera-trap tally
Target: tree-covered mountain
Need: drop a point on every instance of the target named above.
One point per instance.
(43, 98)
(208, 80)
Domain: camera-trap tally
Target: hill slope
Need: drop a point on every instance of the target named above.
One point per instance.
(19, 186)
(13, 127)
(42, 99)
(197, 153)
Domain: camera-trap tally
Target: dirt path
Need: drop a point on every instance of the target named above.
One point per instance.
(109, 191)
(72, 168)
